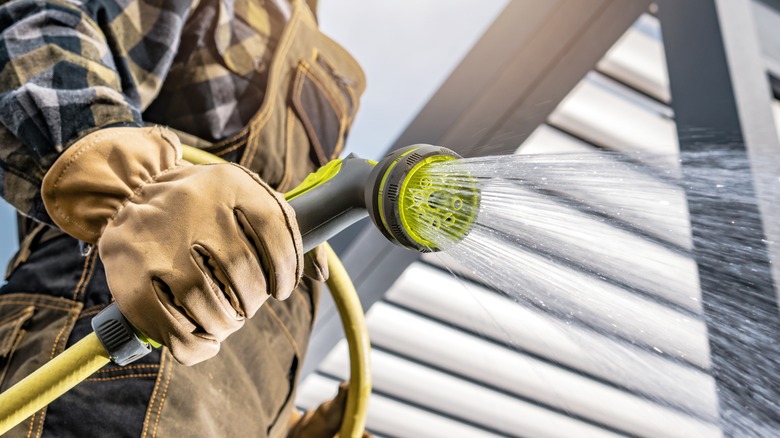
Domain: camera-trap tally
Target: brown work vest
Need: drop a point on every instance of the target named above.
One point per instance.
(312, 96)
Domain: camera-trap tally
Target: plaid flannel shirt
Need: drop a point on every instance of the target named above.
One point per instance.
(71, 67)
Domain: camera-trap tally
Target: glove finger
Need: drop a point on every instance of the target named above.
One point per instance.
(148, 302)
(269, 223)
(197, 294)
(329, 415)
(163, 321)
(176, 330)
(325, 421)
(315, 264)
(239, 269)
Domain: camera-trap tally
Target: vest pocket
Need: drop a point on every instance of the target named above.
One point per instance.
(11, 332)
(33, 329)
(322, 109)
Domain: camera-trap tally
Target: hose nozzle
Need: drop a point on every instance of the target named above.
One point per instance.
(411, 196)
(418, 207)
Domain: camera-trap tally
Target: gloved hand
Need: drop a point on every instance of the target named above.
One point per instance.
(325, 421)
(315, 264)
(189, 251)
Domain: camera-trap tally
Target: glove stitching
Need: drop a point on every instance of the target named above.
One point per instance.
(71, 160)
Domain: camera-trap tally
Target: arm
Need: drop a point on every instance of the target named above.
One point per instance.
(62, 76)
(189, 252)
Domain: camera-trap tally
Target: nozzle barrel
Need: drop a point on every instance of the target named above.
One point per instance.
(332, 201)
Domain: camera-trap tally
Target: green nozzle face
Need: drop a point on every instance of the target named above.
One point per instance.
(418, 205)
(436, 211)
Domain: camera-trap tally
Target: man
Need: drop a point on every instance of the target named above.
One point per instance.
(191, 254)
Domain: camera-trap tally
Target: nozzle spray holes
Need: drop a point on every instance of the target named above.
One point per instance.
(438, 199)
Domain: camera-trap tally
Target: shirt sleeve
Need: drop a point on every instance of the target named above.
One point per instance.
(58, 82)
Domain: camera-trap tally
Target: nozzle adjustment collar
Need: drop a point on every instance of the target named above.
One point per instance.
(382, 197)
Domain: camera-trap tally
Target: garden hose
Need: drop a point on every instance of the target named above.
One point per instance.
(400, 202)
(51, 380)
(353, 320)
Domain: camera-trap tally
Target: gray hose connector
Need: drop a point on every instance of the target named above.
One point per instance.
(118, 336)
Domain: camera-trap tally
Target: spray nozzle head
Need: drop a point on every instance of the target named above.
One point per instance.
(419, 202)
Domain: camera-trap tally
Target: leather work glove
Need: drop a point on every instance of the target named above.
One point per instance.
(325, 421)
(315, 264)
(190, 251)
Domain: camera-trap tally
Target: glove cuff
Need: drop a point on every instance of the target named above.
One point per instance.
(98, 174)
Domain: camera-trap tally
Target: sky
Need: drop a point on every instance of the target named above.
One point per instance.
(407, 49)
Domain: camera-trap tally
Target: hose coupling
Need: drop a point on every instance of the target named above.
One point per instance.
(119, 337)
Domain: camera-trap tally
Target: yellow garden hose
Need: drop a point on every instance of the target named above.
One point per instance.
(51, 380)
(199, 156)
(88, 355)
(354, 323)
